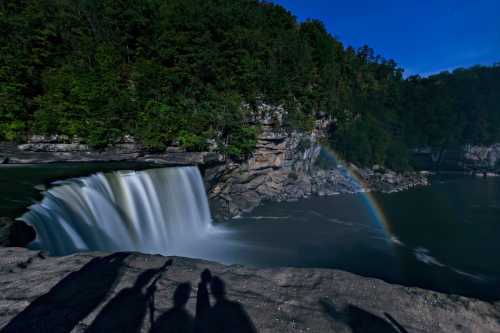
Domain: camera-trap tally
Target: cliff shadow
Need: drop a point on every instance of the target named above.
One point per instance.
(126, 311)
(71, 299)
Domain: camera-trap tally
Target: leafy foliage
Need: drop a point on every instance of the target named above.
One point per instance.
(180, 70)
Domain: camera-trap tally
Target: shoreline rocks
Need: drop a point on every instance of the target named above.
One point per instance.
(15, 233)
(276, 300)
(48, 153)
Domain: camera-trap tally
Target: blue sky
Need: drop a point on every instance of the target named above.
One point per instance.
(423, 36)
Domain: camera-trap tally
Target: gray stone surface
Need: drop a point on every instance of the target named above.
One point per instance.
(284, 167)
(277, 300)
(43, 153)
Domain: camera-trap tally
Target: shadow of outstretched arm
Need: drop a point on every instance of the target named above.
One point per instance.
(71, 299)
(126, 311)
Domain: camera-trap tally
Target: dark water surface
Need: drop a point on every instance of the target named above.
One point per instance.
(445, 237)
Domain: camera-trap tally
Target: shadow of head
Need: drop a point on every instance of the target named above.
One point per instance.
(182, 294)
(218, 288)
(206, 276)
(363, 321)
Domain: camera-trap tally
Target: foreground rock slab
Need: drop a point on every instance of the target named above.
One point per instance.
(127, 292)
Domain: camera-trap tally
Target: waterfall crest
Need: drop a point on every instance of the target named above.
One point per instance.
(161, 211)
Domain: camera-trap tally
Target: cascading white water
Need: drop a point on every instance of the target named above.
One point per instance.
(155, 211)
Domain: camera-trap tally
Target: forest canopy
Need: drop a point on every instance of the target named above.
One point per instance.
(181, 70)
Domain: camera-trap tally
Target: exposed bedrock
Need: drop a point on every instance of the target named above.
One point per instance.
(124, 291)
(288, 166)
(43, 150)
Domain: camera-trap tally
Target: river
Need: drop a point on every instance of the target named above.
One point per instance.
(444, 237)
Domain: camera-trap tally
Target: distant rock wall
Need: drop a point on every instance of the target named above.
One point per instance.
(56, 148)
(483, 157)
(468, 158)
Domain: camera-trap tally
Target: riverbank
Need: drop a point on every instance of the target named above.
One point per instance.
(276, 300)
(47, 152)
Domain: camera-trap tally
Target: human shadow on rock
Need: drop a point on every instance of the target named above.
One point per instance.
(71, 299)
(203, 302)
(126, 311)
(225, 315)
(362, 321)
(177, 319)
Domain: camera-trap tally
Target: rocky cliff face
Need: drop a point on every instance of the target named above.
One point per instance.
(483, 157)
(53, 149)
(128, 292)
(469, 158)
(279, 169)
(285, 166)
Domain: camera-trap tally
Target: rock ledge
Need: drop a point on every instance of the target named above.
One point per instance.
(277, 300)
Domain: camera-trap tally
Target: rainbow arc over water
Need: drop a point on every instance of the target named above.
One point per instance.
(368, 198)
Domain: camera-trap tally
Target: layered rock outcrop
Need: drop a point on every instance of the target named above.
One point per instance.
(57, 149)
(483, 158)
(288, 166)
(127, 291)
(468, 158)
(279, 169)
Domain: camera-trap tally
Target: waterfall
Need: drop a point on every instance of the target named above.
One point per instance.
(162, 211)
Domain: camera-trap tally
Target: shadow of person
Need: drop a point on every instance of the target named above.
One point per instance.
(177, 319)
(126, 311)
(362, 321)
(202, 302)
(70, 300)
(227, 316)
(395, 323)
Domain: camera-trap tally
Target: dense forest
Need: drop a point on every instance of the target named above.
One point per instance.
(182, 69)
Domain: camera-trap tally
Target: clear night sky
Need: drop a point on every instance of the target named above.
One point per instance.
(423, 36)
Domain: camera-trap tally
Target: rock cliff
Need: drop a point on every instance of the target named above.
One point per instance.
(57, 149)
(468, 158)
(291, 165)
(125, 292)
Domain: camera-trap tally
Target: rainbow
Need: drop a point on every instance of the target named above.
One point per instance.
(375, 209)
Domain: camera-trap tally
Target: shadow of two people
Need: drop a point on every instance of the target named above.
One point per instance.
(224, 316)
(126, 311)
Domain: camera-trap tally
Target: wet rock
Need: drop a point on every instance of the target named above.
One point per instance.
(15, 233)
(77, 288)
